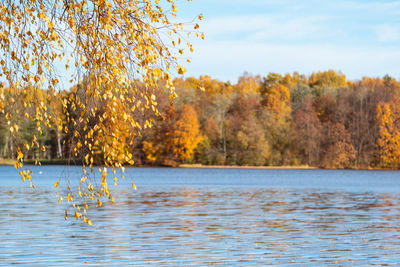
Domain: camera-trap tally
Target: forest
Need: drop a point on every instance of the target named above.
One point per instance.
(322, 120)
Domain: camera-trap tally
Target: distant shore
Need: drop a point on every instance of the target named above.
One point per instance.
(200, 166)
(7, 162)
(285, 167)
(11, 162)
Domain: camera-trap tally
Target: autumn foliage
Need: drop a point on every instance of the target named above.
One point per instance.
(388, 116)
(263, 121)
(116, 53)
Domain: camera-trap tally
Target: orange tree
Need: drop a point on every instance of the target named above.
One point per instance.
(105, 47)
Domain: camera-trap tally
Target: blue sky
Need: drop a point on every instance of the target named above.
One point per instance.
(359, 38)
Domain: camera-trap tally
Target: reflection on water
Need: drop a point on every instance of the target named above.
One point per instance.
(194, 225)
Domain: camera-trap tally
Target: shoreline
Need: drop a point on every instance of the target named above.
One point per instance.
(63, 162)
(200, 166)
(7, 162)
(286, 167)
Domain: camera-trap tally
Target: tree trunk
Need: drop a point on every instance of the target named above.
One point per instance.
(11, 147)
(59, 150)
(5, 152)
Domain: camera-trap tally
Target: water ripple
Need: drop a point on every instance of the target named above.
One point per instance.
(205, 225)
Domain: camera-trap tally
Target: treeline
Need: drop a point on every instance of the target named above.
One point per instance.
(320, 120)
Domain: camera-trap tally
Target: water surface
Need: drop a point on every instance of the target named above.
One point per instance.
(202, 217)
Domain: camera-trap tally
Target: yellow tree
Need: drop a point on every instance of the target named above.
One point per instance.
(277, 119)
(248, 84)
(186, 133)
(277, 100)
(388, 116)
(106, 46)
(327, 79)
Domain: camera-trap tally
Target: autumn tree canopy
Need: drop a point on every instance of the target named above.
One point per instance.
(253, 122)
(116, 52)
(388, 116)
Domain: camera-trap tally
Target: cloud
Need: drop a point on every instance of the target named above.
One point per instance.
(360, 38)
(227, 60)
(384, 7)
(388, 32)
(291, 29)
(264, 27)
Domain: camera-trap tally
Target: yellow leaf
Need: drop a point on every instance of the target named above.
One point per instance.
(20, 155)
(87, 158)
(181, 70)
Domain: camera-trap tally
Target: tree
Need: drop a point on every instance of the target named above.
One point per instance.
(388, 115)
(356, 108)
(248, 84)
(110, 45)
(220, 106)
(338, 149)
(277, 118)
(330, 79)
(186, 133)
(208, 150)
(308, 133)
(158, 144)
(277, 101)
(246, 141)
(254, 149)
(174, 137)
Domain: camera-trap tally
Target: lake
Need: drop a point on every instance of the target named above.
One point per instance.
(203, 217)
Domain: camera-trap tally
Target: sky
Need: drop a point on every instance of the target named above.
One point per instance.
(359, 37)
